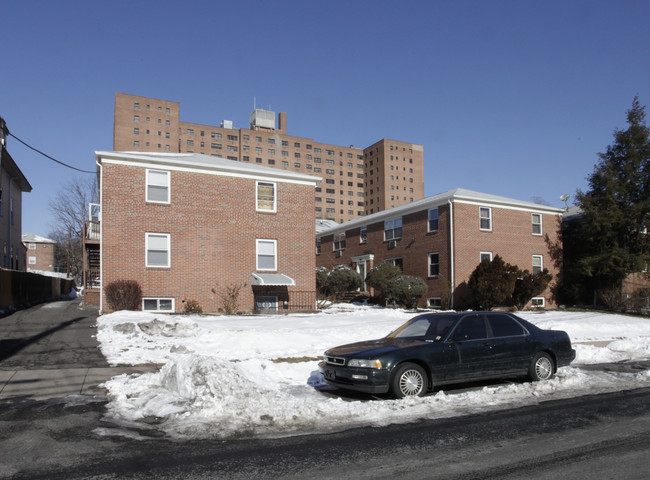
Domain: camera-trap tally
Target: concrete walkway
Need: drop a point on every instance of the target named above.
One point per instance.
(50, 351)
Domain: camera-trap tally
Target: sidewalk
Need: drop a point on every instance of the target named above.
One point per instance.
(17, 385)
(50, 351)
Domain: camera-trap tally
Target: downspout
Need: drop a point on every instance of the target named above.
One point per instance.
(101, 239)
(451, 249)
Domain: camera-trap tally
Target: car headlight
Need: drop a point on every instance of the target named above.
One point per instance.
(359, 362)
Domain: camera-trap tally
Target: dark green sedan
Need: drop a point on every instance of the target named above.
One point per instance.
(442, 348)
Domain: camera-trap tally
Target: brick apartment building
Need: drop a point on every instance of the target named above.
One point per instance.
(12, 185)
(40, 253)
(356, 182)
(186, 226)
(442, 239)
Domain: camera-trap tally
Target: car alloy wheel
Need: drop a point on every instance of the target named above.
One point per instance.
(409, 380)
(542, 367)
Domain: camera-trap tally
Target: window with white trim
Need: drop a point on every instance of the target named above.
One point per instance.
(265, 196)
(398, 262)
(32, 260)
(339, 241)
(485, 256)
(537, 223)
(434, 264)
(151, 304)
(266, 303)
(318, 245)
(363, 235)
(158, 250)
(266, 251)
(158, 186)
(485, 214)
(434, 302)
(32, 246)
(433, 220)
(538, 302)
(393, 229)
(538, 264)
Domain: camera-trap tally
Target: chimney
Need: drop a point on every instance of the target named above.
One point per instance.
(282, 122)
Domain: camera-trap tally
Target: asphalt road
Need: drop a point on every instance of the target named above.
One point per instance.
(601, 436)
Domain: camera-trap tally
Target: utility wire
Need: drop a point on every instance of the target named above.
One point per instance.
(51, 158)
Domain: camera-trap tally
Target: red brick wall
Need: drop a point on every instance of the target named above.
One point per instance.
(44, 253)
(213, 227)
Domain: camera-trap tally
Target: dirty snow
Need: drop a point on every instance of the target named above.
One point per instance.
(242, 376)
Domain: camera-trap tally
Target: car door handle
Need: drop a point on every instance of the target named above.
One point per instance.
(489, 346)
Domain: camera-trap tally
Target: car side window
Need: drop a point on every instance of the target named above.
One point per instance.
(470, 328)
(505, 326)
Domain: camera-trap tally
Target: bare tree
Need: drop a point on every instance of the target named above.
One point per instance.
(69, 209)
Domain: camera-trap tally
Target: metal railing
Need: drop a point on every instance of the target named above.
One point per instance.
(92, 229)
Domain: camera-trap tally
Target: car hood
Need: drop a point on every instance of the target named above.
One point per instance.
(373, 348)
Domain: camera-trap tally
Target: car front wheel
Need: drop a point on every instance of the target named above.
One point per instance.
(409, 380)
(542, 367)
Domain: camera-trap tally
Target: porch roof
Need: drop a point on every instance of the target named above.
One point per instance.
(273, 279)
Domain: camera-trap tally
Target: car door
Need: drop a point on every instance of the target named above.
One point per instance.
(470, 340)
(511, 347)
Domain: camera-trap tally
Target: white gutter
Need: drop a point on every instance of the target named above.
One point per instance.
(101, 237)
(451, 245)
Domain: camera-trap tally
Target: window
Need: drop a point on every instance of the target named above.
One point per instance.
(265, 197)
(505, 326)
(216, 146)
(190, 131)
(215, 135)
(158, 251)
(434, 302)
(393, 229)
(433, 220)
(158, 186)
(266, 254)
(32, 246)
(538, 264)
(485, 256)
(398, 262)
(231, 148)
(339, 241)
(158, 304)
(190, 143)
(318, 245)
(485, 218)
(538, 302)
(32, 260)
(136, 131)
(470, 328)
(136, 106)
(537, 223)
(434, 264)
(232, 138)
(363, 235)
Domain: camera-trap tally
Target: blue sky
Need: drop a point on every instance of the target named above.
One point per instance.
(513, 98)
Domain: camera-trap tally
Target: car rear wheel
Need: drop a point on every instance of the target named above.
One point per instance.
(409, 380)
(542, 367)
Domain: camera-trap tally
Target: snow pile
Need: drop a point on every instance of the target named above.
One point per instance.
(225, 377)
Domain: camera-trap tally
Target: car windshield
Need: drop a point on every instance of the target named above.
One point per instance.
(434, 327)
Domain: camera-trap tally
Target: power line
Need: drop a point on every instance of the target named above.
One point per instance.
(51, 158)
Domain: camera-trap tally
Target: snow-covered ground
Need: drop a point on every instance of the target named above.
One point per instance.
(241, 376)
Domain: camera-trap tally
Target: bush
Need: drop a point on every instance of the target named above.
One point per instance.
(406, 289)
(529, 285)
(342, 280)
(379, 276)
(123, 295)
(493, 282)
(192, 306)
(228, 297)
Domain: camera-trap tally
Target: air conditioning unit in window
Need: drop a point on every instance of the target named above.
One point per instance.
(392, 244)
(338, 253)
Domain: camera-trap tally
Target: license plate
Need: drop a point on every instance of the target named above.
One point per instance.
(329, 374)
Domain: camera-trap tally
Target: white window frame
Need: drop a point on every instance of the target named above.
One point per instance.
(258, 243)
(538, 224)
(481, 218)
(363, 234)
(392, 226)
(257, 197)
(437, 219)
(32, 260)
(486, 254)
(167, 236)
(166, 185)
(429, 265)
(438, 300)
(538, 302)
(338, 241)
(158, 309)
(32, 246)
(272, 300)
(541, 263)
